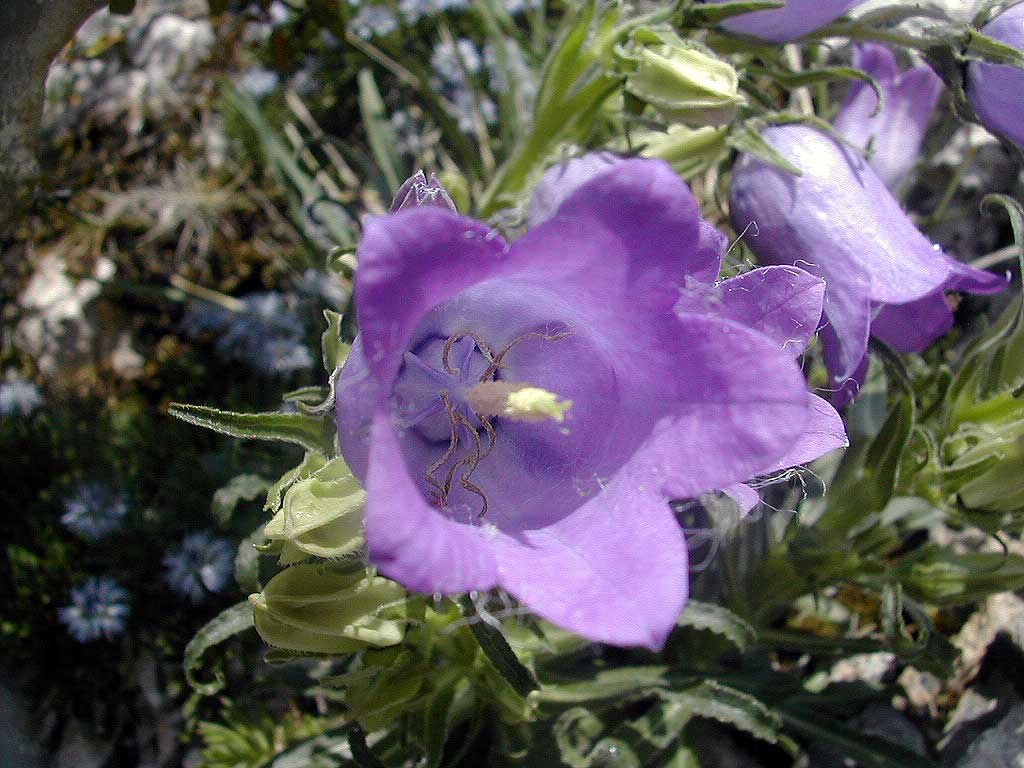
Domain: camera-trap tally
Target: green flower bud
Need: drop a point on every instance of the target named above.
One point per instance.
(312, 609)
(683, 80)
(322, 515)
(985, 463)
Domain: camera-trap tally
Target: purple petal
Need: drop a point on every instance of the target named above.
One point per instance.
(844, 387)
(836, 217)
(783, 303)
(722, 367)
(618, 562)
(914, 326)
(996, 91)
(796, 19)
(896, 133)
(560, 181)
(410, 541)
(630, 235)
(410, 262)
(971, 280)
(823, 432)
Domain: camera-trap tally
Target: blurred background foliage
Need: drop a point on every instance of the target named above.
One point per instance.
(204, 169)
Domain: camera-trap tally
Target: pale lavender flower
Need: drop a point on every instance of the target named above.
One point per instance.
(669, 398)
(373, 21)
(99, 608)
(895, 134)
(796, 19)
(95, 511)
(452, 62)
(839, 221)
(258, 82)
(996, 91)
(18, 396)
(201, 565)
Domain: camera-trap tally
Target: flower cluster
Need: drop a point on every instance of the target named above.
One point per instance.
(99, 608)
(201, 565)
(94, 511)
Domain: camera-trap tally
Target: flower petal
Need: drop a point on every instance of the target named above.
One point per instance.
(410, 541)
(796, 19)
(721, 369)
(783, 303)
(746, 498)
(823, 432)
(914, 326)
(614, 571)
(846, 330)
(410, 262)
(629, 235)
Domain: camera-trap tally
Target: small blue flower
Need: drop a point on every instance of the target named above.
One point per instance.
(95, 511)
(453, 62)
(202, 564)
(515, 7)
(98, 609)
(258, 82)
(265, 334)
(18, 396)
(414, 10)
(373, 21)
(465, 106)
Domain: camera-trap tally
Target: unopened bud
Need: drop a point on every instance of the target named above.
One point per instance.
(688, 150)
(321, 515)
(680, 78)
(312, 609)
(418, 191)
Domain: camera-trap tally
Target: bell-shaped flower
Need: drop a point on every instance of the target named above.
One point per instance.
(657, 399)
(893, 135)
(796, 19)
(839, 221)
(996, 91)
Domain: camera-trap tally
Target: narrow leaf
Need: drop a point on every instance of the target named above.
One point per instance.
(745, 138)
(311, 433)
(719, 12)
(496, 648)
(383, 142)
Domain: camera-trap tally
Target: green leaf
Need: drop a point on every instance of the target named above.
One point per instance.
(719, 12)
(882, 463)
(615, 683)
(311, 433)
(383, 142)
(719, 702)
(496, 648)
(226, 624)
(790, 80)
(333, 348)
(981, 46)
(938, 576)
(437, 722)
(745, 138)
(719, 620)
(239, 488)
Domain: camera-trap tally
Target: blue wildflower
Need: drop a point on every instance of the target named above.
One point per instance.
(202, 564)
(258, 82)
(414, 10)
(453, 61)
(18, 396)
(516, 7)
(98, 609)
(265, 334)
(95, 511)
(373, 21)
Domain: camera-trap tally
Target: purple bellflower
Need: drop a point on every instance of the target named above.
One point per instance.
(796, 19)
(840, 222)
(996, 91)
(671, 396)
(894, 134)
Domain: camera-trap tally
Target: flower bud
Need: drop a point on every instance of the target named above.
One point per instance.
(684, 81)
(322, 515)
(418, 191)
(994, 90)
(312, 609)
